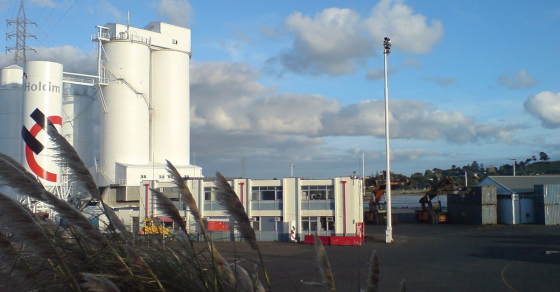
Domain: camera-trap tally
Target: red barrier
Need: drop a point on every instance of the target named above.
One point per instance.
(334, 240)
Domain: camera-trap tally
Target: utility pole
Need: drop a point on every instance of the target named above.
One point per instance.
(389, 232)
(514, 162)
(292, 170)
(20, 35)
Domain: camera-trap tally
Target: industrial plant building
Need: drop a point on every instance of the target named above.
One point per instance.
(131, 117)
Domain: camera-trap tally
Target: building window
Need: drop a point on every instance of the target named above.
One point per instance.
(161, 176)
(267, 193)
(175, 42)
(142, 176)
(255, 223)
(317, 193)
(321, 224)
(209, 194)
(309, 223)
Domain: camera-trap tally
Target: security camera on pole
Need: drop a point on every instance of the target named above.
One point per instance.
(389, 232)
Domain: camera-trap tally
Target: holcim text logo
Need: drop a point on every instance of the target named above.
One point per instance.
(40, 86)
(34, 147)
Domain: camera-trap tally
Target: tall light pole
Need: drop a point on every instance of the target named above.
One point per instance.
(389, 232)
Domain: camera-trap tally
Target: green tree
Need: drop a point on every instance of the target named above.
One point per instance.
(474, 166)
(543, 156)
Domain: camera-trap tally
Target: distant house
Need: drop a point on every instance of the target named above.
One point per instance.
(516, 194)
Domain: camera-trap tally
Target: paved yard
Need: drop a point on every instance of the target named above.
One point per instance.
(430, 258)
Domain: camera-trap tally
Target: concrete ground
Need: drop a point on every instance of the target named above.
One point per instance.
(444, 257)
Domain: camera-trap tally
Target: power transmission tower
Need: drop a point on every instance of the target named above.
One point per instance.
(20, 35)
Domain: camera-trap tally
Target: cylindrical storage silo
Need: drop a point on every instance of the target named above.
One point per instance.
(10, 111)
(83, 123)
(125, 127)
(42, 103)
(67, 113)
(78, 122)
(170, 97)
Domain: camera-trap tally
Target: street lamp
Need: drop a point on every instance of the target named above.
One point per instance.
(389, 232)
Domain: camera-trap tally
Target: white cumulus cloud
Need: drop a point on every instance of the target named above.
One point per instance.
(178, 12)
(328, 43)
(546, 107)
(73, 59)
(408, 31)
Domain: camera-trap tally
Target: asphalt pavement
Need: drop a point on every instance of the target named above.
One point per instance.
(443, 257)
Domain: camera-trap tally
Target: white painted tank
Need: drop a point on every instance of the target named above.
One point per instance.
(10, 111)
(125, 127)
(85, 110)
(170, 93)
(42, 101)
(78, 106)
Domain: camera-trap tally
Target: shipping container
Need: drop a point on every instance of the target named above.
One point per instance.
(547, 214)
(547, 194)
(472, 214)
(479, 195)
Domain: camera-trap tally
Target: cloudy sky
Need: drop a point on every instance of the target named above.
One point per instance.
(302, 82)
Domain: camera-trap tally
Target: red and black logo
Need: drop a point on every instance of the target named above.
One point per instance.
(34, 147)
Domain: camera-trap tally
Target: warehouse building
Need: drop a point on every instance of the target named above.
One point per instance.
(516, 196)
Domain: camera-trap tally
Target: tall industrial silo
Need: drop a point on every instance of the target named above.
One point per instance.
(144, 76)
(42, 104)
(10, 111)
(170, 95)
(78, 109)
(125, 126)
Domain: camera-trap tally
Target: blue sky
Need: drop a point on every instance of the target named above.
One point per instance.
(281, 82)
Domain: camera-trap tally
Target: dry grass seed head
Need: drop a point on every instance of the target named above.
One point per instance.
(168, 208)
(186, 194)
(227, 197)
(373, 273)
(66, 156)
(98, 284)
(324, 265)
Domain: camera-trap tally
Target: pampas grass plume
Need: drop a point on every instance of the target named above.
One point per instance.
(324, 265)
(373, 273)
(227, 197)
(98, 284)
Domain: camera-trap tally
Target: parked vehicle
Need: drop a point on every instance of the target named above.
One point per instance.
(153, 226)
(377, 213)
(431, 211)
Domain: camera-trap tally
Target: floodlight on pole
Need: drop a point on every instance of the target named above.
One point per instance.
(389, 232)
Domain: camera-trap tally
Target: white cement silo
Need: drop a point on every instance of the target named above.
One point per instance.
(78, 109)
(10, 111)
(125, 127)
(42, 101)
(170, 95)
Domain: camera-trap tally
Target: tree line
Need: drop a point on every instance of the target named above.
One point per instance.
(474, 172)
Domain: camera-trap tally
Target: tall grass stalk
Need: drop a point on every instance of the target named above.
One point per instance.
(227, 197)
(324, 265)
